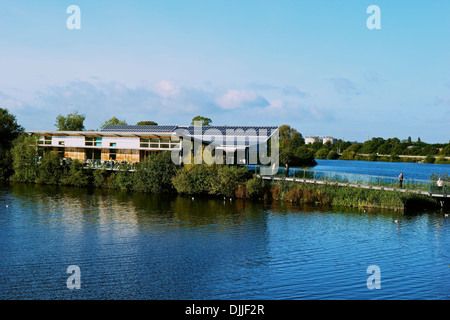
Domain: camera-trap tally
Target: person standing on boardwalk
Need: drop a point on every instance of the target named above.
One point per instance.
(400, 180)
(287, 170)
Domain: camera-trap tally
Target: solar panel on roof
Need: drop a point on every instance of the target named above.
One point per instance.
(133, 128)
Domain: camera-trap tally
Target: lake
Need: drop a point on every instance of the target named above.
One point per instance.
(141, 246)
(421, 171)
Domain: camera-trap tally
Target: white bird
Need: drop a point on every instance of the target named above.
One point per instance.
(446, 214)
(396, 221)
(192, 198)
(7, 206)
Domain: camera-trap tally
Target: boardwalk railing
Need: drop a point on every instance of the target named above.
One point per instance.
(353, 179)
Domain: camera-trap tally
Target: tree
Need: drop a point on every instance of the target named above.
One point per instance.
(9, 129)
(72, 122)
(113, 122)
(146, 123)
(205, 121)
(25, 159)
(290, 138)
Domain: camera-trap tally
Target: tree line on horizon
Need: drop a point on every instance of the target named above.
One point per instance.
(293, 150)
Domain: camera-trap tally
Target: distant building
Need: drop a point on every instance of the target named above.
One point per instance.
(311, 140)
(323, 140)
(329, 139)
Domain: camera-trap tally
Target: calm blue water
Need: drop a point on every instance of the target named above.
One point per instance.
(138, 246)
(421, 171)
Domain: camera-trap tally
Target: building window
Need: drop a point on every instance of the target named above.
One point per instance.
(88, 141)
(112, 154)
(112, 144)
(154, 143)
(98, 141)
(61, 143)
(144, 142)
(48, 140)
(165, 143)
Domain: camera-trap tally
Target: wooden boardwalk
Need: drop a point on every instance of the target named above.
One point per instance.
(437, 195)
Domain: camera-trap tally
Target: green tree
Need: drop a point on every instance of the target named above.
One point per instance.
(146, 123)
(113, 122)
(9, 131)
(50, 170)
(203, 120)
(24, 158)
(322, 153)
(290, 137)
(76, 175)
(155, 174)
(72, 122)
(430, 158)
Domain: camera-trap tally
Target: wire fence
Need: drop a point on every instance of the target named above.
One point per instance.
(355, 179)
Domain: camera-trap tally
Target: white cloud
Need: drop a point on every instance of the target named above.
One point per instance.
(166, 89)
(237, 99)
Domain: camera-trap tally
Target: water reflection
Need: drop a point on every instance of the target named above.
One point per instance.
(143, 246)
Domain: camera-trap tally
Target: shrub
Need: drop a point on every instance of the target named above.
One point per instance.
(255, 188)
(24, 159)
(155, 174)
(429, 159)
(50, 170)
(227, 180)
(76, 175)
(333, 155)
(99, 178)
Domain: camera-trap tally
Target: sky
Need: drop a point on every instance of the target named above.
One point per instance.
(314, 65)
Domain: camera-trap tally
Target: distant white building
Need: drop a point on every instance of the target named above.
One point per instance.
(323, 140)
(311, 140)
(329, 139)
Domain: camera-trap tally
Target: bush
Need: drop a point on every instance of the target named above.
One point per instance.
(155, 174)
(50, 170)
(256, 188)
(322, 153)
(99, 178)
(227, 180)
(332, 155)
(24, 160)
(76, 175)
(194, 178)
(429, 159)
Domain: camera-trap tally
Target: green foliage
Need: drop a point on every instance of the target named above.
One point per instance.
(194, 179)
(227, 180)
(99, 178)
(113, 122)
(155, 174)
(146, 123)
(9, 129)
(322, 153)
(429, 159)
(256, 188)
(72, 122)
(50, 170)
(24, 159)
(332, 155)
(124, 178)
(76, 175)
(6, 169)
(373, 157)
(205, 121)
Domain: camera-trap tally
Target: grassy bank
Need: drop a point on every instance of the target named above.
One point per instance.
(158, 174)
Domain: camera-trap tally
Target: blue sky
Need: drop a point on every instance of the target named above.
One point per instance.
(311, 64)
